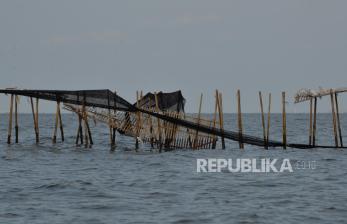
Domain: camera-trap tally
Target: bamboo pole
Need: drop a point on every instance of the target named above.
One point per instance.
(334, 118)
(10, 121)
(220, 114)
(114, 129)
(16, 117)
(137, 122)
(239, 115)
(222, 117)
(109, 117)
(310, 134)
(34, 117)
(84, 120)
(262, 118)
(214, 121)
(284, 120)
(198, 123)
(268, 122)
(54, 140)
(314, 122)
(90, 138)
(159, 126)
(60, 123)
(37, 121)
(80, 128)
(338, 119)
(151, 127)
(79, 136)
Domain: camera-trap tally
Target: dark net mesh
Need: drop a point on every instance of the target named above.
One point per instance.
(93, 98)
(173, 101)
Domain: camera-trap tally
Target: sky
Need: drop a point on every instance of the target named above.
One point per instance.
(196, 46)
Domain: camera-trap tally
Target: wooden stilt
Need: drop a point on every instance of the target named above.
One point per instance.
(16, 117)
(37, 121)
(310, 129)
(90, 138)
(34, 117)
(198, 122)
(284, 120)
(10, 121)
(268, 122)
(262, 118)
(314, 122)
(150, 125)
(214, 120)
(61, 123)
(239, 116)
(114, 129)
(78, 130)
(334, 118)
(338, 119)
(159, 126)
(220, 113)
(54, 140)
(81, 129)
(109, 118)
(137, 122)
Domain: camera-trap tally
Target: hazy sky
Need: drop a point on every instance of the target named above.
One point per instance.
(196, 46)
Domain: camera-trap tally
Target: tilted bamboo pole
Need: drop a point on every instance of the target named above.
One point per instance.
(338, 119)
(198, 122)
(34, 117)
(334, 117)
(262, 118)
(214, 122)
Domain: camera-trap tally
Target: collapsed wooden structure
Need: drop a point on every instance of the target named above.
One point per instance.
(157, 119)
(312, 96)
